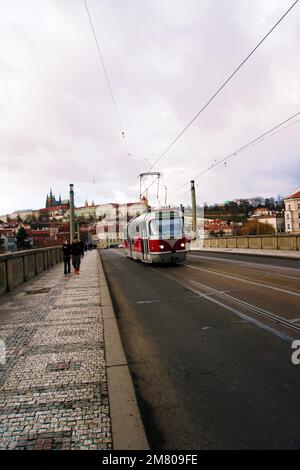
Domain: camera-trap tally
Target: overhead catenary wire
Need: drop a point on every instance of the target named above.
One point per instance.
(257, 140)
(105, 71)
(223, 85)
(276, 132)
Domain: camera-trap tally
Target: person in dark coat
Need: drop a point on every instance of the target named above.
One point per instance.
(76, 255)
(82, 247)
(66, 253)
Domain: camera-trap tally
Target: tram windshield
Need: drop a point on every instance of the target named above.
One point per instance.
(166, 228)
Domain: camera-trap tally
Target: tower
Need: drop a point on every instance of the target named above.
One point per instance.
(51, 198)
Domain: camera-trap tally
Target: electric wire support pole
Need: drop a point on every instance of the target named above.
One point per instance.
(72, 218)
(194, 210)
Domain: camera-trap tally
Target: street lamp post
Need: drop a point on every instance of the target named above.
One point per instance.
(72, 217)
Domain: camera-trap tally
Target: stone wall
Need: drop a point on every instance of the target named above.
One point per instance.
(264, 242)
(21, 266)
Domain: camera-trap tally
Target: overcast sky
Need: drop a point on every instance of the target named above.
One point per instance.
(164, 58)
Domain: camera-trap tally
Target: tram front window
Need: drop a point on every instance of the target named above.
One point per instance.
(166, 228)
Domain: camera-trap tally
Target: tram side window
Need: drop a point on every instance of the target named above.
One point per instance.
(131, 232)
(143, 229)
(134, 231)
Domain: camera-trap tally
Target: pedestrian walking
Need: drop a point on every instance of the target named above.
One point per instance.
(76, 255)
(66, 253)
(82, 247)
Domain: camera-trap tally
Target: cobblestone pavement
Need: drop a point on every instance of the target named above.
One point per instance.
(53, 387)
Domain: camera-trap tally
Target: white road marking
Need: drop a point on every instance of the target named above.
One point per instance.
(241, 303)
(208, 296)
(253, 265)
(244, 316)
(248, 281)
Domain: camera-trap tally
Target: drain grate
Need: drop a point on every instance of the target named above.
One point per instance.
(71, 333)
(44, 290)
(62, 365)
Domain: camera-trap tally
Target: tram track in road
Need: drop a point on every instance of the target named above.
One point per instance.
(261, 317)
(263, 269)
(243, 279)
(209, 370)
(246, 305)
(247, 310)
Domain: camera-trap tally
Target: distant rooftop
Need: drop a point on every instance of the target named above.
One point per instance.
(294, 195)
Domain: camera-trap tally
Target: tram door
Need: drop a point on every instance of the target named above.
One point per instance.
(144, 237)
(129, 240)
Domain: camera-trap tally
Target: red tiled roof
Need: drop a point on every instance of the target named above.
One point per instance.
(294, 195)
(87, 207)
(54, 208)
(40, 232)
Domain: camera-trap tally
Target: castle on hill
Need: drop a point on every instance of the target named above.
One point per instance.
(51, 200)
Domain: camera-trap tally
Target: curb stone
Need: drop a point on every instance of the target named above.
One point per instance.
(128, 431)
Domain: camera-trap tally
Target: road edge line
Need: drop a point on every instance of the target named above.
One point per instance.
(128, 432)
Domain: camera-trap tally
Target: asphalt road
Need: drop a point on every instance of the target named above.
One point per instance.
(209, 349)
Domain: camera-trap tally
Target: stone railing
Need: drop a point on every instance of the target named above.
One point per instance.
(254, 242)
(21, 266)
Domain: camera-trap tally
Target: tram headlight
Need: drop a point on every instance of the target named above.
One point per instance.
(182, 245)
(161, 247)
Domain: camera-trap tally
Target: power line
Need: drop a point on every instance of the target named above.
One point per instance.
(104, 69)
(223, 85)
(274, 133)
(257, 140)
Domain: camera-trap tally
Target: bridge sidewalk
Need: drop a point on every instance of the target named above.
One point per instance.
(65, 375)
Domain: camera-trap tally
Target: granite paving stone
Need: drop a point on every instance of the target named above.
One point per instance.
(53, 385)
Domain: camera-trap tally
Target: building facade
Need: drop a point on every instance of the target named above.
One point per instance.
(112, 219)
(267, 216)
(292, 213)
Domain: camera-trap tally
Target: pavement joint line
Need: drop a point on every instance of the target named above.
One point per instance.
(128, 431)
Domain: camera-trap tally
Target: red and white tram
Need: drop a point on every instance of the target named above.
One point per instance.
(156, 236)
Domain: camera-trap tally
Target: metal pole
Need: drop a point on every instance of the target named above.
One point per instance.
(194, 211)
(72, 217)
